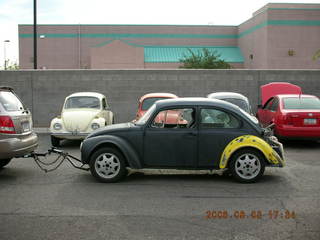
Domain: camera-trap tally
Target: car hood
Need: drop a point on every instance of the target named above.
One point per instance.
(78, 120)
(271, 89)
(112, 129)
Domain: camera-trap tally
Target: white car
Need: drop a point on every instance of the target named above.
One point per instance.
(235, 98)
(82, 113)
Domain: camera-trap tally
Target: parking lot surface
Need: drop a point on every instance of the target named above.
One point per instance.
(70, 204)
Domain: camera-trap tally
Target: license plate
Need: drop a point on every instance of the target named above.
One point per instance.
(25, 126)
(310, 121)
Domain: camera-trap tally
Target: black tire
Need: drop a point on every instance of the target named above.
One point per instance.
(55, 141)
(110, 169)
(4, 162)
(247, 165)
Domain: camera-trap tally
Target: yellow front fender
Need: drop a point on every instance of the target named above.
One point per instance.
(254, 142)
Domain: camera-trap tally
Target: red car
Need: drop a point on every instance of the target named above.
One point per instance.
(146, 101)
(295, 115)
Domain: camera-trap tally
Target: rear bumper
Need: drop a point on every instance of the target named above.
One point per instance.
(18, 146)
(287, 131)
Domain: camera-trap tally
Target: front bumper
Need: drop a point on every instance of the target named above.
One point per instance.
(18, 146)
(277, 153)
(70, 135)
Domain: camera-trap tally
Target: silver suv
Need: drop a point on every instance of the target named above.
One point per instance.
(16, 135)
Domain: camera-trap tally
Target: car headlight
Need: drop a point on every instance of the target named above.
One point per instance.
(95, 126)
(57, 126)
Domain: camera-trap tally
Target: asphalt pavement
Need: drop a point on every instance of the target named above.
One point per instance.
(69, 204)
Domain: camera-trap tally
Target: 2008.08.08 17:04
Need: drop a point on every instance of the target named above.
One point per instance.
(254, 214)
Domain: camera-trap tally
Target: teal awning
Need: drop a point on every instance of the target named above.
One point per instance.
(163, 54)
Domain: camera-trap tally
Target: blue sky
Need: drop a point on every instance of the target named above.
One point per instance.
(198, 12)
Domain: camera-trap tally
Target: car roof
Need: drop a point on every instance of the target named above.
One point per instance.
(296, 95)
(86, 94)
(6, 88)
(152, 95)
(222, 95)
(195, 101)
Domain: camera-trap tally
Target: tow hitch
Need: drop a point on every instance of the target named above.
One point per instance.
(49, 166)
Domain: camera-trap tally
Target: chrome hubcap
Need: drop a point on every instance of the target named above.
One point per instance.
(107, 165)
(247, 166)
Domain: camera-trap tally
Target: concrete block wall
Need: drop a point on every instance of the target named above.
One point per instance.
(44, 91)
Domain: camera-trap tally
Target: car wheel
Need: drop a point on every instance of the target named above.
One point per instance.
(4, 162)
(108, 165)
(247, 165)
(55, 141)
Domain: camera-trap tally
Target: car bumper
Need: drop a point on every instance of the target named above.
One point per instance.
(277, 155)
(70, 135)
(18, 146)
(287, 131)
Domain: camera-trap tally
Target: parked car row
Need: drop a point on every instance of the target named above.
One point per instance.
(216, 132)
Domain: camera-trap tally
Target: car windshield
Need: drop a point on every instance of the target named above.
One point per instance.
(148, 102)
(10, 102)
(146, 116)
(82, 102)
(239, 102)
(301, 103)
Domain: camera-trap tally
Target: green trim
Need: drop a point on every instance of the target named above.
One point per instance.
(294, 22)
(252, 29)
(280, 23)
(194, 36)
(128, 35)
(135, 25)
(303, 9)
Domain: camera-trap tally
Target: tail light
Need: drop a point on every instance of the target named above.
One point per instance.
(6, 125)
(286, 119)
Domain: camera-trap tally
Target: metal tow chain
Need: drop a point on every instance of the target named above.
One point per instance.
(62, 156)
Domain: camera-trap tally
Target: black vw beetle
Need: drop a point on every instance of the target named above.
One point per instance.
(184, 133)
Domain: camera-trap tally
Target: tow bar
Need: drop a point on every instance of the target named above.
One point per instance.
(62, 156)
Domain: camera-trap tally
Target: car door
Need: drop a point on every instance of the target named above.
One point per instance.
(264, 113)
(170, 140)
(217, 128)
(270, 111)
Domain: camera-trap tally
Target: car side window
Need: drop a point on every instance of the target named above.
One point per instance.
(214, 118)
(274, 105)
(269, 104)
(104, 104)
(175, 118)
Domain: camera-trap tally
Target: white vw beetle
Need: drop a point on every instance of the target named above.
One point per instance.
(82, 113)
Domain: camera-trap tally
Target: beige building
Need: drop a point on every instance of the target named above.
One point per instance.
(278, 36)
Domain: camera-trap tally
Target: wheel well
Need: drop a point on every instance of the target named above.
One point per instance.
(251, 148)
(110, 145)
